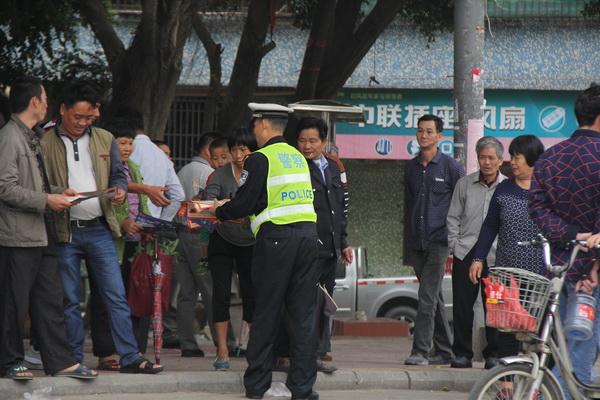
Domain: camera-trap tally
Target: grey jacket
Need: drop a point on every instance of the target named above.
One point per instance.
(468, 208)
(22, 198)
(222, 185)
(193, 176)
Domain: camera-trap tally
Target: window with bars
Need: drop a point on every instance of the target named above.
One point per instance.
(184, 127)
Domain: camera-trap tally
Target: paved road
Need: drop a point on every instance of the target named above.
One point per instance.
(324, 395)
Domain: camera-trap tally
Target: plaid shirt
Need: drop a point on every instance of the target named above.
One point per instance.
(565, 194)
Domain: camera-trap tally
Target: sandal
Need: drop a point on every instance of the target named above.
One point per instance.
(109, 365)
(135, 367)
(19, 372)
(81, 372)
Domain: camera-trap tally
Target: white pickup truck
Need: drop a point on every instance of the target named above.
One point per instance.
(380, 297)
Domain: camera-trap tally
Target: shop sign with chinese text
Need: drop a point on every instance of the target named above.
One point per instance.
(392, 115)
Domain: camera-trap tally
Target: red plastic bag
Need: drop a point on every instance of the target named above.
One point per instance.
(141, 286)
(504, 308)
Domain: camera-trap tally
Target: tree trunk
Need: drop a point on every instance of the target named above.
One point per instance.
(244, 77)
(351, 49)
(145, 74)
(213, 52)
(322, 28)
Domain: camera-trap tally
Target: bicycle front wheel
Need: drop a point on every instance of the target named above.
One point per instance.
(513, 382)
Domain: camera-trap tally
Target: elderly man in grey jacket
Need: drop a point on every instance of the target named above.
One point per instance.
(468, 209)
(29, 280)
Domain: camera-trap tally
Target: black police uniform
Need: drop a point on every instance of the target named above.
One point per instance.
(284, 273)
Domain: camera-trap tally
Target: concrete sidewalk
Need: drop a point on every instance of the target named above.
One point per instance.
(364, 363)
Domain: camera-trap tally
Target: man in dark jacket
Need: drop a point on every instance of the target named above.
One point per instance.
(329, 206)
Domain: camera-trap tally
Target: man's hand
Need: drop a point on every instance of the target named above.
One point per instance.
(590, 282)
(129, 227)
(593, 240)
(70, 192)
(213, 208)
(583, 236)
(156, 194)
(475, 271)
(58, 202)
(347, 255)
(119, 196)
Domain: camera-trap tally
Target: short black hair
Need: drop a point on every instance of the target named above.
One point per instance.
(134, 118)
(529, 146)
(119, 127)
(219, 142)
(78, 91)
(312, 123)
(587, 105)
(242, 137)
(439, 124)
(22, 90)
(160, 143)
(204, 141)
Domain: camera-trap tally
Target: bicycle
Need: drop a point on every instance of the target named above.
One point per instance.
(528, 376)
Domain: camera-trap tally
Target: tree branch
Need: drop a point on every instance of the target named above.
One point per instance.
(213, 52)
(317, 47)
(95, 14)
(335, 74)
(266, 48)
(346, 19)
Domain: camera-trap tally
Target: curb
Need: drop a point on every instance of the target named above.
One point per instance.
(436, 379)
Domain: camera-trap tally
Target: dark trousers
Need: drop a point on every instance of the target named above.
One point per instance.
(284, 273)
(30, 282)
(327, 268)
(223, 257)
(192, 252)
(431, 324)
(102, 341)
(464, 295)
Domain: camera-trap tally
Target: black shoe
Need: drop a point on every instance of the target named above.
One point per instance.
(253, 396)
(461, 362)
(312, 396)
(192, 353)
(440, 359)
(326, 368)
(491, 362)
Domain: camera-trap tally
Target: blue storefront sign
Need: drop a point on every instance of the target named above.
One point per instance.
(392, 115)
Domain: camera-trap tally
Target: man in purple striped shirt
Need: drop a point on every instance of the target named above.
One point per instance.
(564, 202)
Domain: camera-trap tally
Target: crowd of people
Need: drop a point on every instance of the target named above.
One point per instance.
(281, 216)
(72, 193)
(480, 218)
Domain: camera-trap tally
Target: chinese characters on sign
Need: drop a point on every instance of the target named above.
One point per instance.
(391, 119)
(395, 115)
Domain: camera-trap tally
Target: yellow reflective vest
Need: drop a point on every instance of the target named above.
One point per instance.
(289, 189)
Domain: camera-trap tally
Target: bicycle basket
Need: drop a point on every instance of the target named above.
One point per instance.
(515, 299)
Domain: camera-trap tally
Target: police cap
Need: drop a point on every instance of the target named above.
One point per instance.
(269, 110)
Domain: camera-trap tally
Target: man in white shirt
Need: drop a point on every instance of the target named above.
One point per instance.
(157, 170)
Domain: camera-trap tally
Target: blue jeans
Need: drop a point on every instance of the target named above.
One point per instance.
(95, 245)
(583, 353)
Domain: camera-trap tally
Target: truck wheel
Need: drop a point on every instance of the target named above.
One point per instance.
(403, 313)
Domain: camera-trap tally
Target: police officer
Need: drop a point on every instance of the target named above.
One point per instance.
(277, 196)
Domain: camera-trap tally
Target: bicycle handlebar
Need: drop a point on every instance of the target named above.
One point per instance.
(544, 243)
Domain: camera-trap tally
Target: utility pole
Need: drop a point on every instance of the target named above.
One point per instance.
(469, 32)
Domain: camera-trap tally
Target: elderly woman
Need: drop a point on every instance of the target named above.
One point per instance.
(508, 219)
